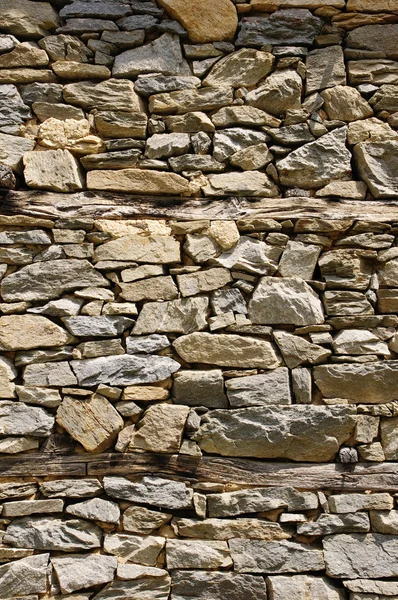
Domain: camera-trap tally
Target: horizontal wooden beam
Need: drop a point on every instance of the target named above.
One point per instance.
(124, 206)
(246, 472)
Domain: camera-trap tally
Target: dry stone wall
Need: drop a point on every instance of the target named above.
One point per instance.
(175, 345)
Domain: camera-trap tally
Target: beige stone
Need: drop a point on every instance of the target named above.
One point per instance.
(370, 130)
(384, 521)
(303, 587)
(12, 149)
(113, 94)
(147, 249)
(54, 170)
(24, 55)
(28, 19)
(197, 554)
(243, 115)
(346, 104)
(354, 190)
(370, 6)
(77, 70)
(389, 438)
(227, 350)
(137, 519)
(186, 101)
(225, 233)
(246, 67)
(248, 183)
(23, 332)
(138, 181)
(26, 75)
(191, 284)
(7, 388)
(160, 429)
(204, 20)
(221, 529)
(145, 393)
(94, 423)
(70, 135)
(154, 288)
(252, 158)
(272, 5)
(118, 124)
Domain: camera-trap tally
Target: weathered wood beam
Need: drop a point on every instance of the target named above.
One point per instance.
(246, 472)
(117, 205)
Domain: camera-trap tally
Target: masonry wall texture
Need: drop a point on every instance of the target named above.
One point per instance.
(186, 339)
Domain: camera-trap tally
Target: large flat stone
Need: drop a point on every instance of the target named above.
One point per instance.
(53, 170)
(285, 300)
(25, 576)
(76, 572)
(239, 69)
(94, 423)
(155, 249)
(227, 350)
(52, 533)
(377, 164)
(203, 585)
(146, 585)
(257, 556)
(138, 181)
(371, 383)
(361, 555)
(377, 38)
(49, 279)
(257, 390)
(160, 429)
(28, 19)
(24, 332)
(298, 587)
(317, 163)
(123, 369)
(114, 94)
(17, 418)
(163, 56)
(204, 21)
(285, 27)
(200, 388)
(184, 315)
(280, 92)
(248, 183)
(222, 529)
(185, 101)
(13, 148)
(325, 69)
(172, 495)
(302, 433)
(197, 554)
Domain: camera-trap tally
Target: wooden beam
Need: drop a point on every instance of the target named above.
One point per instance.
(245, 472)
(124, 206)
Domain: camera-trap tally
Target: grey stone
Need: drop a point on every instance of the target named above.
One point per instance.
(191, 284)
(23, 508)
(249, 255)
(384, 521)
(111, 160)
(299, 260)
(100, 10)
(76, 572)
(161, 56)
(147, 344)
(284, 27)
(329, 524)
(361, 555)
(229, 141)
(292, 135)
(378, 38)
(147, 86)
(41, 92)
(156, 491)
(226, 300)
(49, 374)
(12, 489)
(79, 26)
(359, 341)
(370, 383)
(296, 350)
(280, 92)
(49, 279)
(25, 576)
(203, 585)
(64, 307)
(370, 586)
(12, 150)
(376, 71)
(256, 556)
(297, 587)
(200, 388)
(164, 145)
(347, 303)
(139, 22)
(350, 503)
(103, 326)
(299, 432)
(231, 504)
(249, 183)
(186, 101)
(71, 488)
(52, 533)
(257, 390)
(184, 315)
(13, 111)
(302, 385)
(376, 163)
(325, 68)
(16, 256)
(286, 300)
(95, 509)
(17, 418)
(317, 163)
(222, 529)
(195, 162)
(197, 554)
(56, 170)
(156, 587)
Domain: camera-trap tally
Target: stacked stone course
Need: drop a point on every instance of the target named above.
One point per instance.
(253, 344)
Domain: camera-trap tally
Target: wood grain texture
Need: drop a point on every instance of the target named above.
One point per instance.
(124, 206)
(245, 472)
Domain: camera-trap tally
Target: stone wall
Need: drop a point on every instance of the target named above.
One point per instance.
(262, 98)
(195, 406)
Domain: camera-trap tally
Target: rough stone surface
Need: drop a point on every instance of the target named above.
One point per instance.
(25, 576)
(76, 572)
(295, 433)
(256, 390)
(200, 584)
(184, 315)
(303, 586)
(23, 332)
(376, 163)
(151, 490)
(256, 556)
(200, 388)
